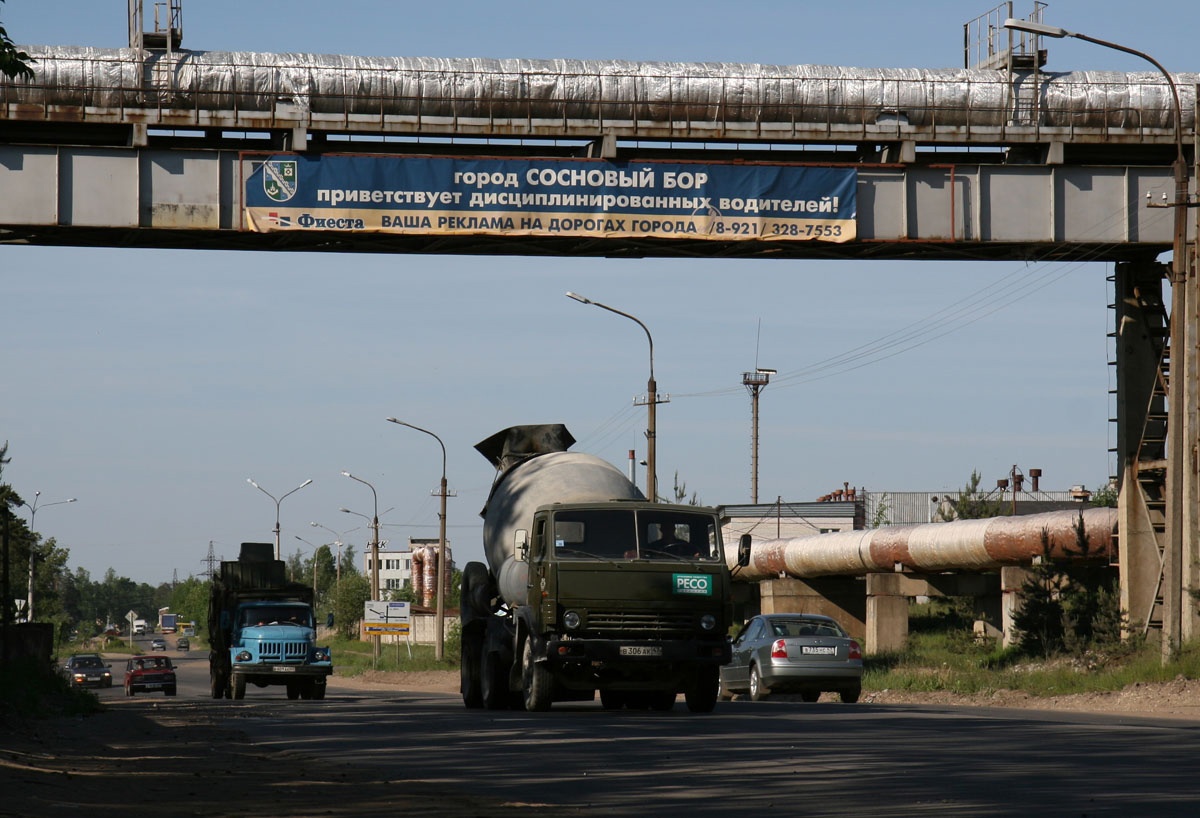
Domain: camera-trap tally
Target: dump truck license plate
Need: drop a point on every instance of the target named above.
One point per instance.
(284, 669)
(641, 650)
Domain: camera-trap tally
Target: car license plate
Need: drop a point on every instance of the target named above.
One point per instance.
(817, 650)
(152, 685)
(641, 650)
(284, 669)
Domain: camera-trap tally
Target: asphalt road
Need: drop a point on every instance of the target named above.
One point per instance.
(746, 758)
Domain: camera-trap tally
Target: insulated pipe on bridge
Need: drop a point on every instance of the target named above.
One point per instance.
(959, 545)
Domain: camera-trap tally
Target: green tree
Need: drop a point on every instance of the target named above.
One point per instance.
(1105, 497)
(13, 62)
(972, 504)
(354, 592)
(881, 515)
(680, 493)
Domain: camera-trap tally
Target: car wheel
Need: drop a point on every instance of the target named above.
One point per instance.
(128, 690)
(850, 696)
(170, 691)
(758, 691)
(810, 695)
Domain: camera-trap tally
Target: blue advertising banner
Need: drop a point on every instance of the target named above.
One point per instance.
(550, 197)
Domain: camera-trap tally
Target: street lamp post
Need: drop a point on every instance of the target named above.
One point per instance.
(374, 552)
(652, 400)
(440, 626)
(277, 503)
(33, 510)
(315, 549)
(337, 540)
(1176, 404)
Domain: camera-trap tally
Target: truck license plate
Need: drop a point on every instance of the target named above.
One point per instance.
(284, 669)
(641, 650)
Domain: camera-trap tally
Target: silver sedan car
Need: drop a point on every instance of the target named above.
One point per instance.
(806, 654)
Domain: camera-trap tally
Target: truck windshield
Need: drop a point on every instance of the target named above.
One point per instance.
(277, 615)
(626, 534)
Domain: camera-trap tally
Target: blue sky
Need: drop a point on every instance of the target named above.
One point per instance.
(151, 384)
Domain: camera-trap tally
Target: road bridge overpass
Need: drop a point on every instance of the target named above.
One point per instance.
(162, 147)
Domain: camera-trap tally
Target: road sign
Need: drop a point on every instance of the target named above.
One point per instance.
(380, 617)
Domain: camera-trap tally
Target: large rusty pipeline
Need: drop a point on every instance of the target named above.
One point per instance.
(958, 545)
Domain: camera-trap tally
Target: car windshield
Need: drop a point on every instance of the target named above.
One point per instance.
(625, 534)
(88, 661)
(277, 615)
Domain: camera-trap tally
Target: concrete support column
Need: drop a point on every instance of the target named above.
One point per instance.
(887, 613)
(1012, 578)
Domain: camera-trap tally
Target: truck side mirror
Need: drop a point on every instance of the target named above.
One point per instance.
(521, 543)
(744, 551)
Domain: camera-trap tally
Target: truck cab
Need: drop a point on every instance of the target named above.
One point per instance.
(274, 643)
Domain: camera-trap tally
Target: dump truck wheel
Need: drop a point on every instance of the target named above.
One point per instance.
(239, 686)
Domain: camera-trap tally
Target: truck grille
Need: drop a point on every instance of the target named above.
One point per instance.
(283, 651)
(616, 623)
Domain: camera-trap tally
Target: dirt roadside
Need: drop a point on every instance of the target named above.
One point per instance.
(181, 756)
(1178, 699)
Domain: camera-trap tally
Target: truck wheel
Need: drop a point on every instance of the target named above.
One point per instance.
(469, 672)
(612, 699)
(701, 694)
(318, 692)
(536, 681)
(293, 692)
(662, 700)
(493, 683)
(239, 686)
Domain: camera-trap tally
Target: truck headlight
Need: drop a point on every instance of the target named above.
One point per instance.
(708, 622)
(572, 620)
(244, 656)
(320, 654)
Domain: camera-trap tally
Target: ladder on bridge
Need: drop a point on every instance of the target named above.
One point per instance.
(1149, 465)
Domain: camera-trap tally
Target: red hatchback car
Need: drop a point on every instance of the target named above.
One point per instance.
(149, 673)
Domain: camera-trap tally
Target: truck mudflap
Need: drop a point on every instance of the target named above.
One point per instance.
(618, 651)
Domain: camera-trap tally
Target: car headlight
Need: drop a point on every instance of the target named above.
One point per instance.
(572, 620)
(244, 656)
(708, 622)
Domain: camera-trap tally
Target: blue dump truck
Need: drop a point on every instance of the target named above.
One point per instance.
(262, 629)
